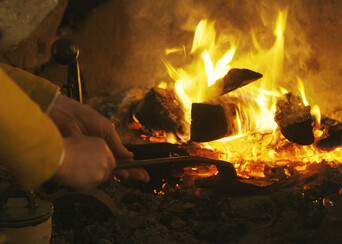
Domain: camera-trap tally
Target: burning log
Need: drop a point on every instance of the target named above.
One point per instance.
(160, 109)
(236, 78)
(211, 122)
(294, 120)
(333, 138)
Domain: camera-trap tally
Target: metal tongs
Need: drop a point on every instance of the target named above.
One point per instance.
(227, 179)
(183, 161)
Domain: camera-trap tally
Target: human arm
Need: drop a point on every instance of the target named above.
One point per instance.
(40, 90)
(31, 146)
(33, 150)
(73, 119)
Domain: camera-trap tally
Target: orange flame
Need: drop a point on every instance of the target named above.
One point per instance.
(192, 81)
(156, 137)
(258, 141)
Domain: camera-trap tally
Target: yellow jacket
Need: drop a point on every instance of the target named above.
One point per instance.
(31, 146)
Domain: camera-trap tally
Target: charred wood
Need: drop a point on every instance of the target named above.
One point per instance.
(208, 122)
(236, 78)
(214, 121)
(335, 128)
(294, 120)
(333, 138)
(211, 122)
(160, 109)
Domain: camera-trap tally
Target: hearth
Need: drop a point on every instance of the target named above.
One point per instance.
(233, 107)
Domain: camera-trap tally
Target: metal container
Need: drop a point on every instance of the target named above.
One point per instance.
(24, 219)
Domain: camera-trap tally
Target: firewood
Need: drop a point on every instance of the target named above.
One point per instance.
(160, 109)
(211, 122)
(294, 120)
(236, 78)
(333, 138)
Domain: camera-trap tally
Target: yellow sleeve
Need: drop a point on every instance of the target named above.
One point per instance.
(38, 89)
(31, 146)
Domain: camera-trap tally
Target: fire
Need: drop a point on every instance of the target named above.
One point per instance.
(258, 142)
(192, 81)
(156, 137)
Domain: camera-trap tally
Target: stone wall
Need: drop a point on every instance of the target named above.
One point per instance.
(27, 30)
(122, 42)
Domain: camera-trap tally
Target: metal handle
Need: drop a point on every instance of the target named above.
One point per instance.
(15, 191)
(66, 52)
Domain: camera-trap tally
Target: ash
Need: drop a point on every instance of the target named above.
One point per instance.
(301, 209)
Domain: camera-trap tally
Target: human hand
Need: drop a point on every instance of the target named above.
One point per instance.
(74, 119)
(87, 162)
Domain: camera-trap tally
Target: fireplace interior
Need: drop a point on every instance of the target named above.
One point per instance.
(233, 107)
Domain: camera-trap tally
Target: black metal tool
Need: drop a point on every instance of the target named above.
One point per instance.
(66, 52)
(184, 161)
(227, 179)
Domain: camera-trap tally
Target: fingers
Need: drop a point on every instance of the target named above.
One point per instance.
(122, 173)
(66, 123)
(73, 118)
(135, 174)
(121, 153)
(114, 142)
(87, 163)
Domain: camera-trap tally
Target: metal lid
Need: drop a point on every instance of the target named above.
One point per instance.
(20, 208)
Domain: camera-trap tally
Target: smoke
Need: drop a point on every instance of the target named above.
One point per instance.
(123, 42)
(313, 37)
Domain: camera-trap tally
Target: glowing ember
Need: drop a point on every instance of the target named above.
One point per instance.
(156, 137)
